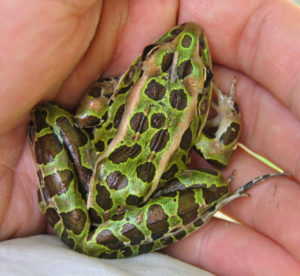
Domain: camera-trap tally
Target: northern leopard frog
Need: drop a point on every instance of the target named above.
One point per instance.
(113, 178)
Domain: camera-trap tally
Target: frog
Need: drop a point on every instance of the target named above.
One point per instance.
(114, 176)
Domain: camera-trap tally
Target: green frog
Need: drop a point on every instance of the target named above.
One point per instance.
(114, 178)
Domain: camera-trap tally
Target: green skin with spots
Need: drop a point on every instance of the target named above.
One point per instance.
(113, 178)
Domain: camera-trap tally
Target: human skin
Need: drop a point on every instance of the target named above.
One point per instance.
(55, 49)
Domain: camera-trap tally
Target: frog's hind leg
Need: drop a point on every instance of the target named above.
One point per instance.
(220, 135)
(64, 165)
(173, 212)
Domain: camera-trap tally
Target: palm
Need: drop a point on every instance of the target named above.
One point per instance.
(54, 53)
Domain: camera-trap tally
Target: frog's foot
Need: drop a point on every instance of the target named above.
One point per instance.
(240, 192)
(219, 137)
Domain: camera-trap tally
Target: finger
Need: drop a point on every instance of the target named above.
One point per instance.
(38, 51)
(260, 38)
(225, 248)
(19, 212)
(118, 42)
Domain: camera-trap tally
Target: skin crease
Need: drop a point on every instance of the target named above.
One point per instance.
(55, 49)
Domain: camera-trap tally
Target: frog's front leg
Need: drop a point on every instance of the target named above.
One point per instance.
(219, 137)
(92, 110)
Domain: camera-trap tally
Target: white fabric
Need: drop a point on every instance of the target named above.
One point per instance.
(46, 255)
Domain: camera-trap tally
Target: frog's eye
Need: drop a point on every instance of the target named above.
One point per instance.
(148, 50)
(208, 76)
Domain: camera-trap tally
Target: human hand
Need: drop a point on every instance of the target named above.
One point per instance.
(54, 47)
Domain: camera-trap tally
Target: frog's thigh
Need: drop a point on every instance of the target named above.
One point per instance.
(220, 135)
(60, 189)
(182, 206)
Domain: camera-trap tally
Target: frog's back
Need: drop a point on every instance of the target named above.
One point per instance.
(158, 117)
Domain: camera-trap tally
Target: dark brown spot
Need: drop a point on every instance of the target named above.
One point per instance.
(58, 183)
(159, 140)
(129, 75)
(231, 134)
(167, 61)
(209, 76)
(94, 216)
(187, 207)
(125, 89)
(158, 120)
(132, 233)
(118, 217)
(123, 153)
(178, 99)
(109, 141)
(104, 117)
(212, 194)
(179, 235)
(139, 122)
(184, 69)
(39, 119)
(119, 115)
(88, 121)
(127, 252)
(146, 171)
(74, 220)
(216, 164)
(146, 248)
(133, 200)
(186, 41)
(107, 238)
(157, 221)
(166, 240)
(177, 30)
(95, 91)
(100, 146)
(176, 229)
(141, 73)
(109, 126)
(117, 181)
(171, 187)
(202, 45)
(208, 133)
(155, 90)
(103, 198)
(199, 222)
(52, 216)
(170, 172)
(46, 148)
(186, 139)
(68, 241)
(148, 50)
